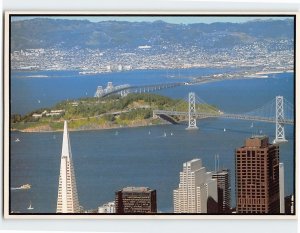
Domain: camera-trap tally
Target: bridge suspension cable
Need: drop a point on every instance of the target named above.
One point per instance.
(278, 111)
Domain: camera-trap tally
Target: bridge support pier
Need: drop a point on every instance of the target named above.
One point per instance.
(280, 135)
(192, 112)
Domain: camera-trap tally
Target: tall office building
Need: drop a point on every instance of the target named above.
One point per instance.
(67, 200)
(135, 200)
(281, 188)
(223, 183)
(289, 204)
(197, 191)
(257, 176)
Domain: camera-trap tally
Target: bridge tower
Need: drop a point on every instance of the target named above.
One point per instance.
(280, 135)
(192, 111)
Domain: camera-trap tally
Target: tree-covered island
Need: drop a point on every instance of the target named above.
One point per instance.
(101, 113)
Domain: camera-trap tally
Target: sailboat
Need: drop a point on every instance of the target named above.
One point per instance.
(149, 132)
(30, 207)
(251, 125)
(172, 134)
(165, 134)
(224, 130)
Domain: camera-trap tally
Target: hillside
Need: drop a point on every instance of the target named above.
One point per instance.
(67, 34)
(94, 113)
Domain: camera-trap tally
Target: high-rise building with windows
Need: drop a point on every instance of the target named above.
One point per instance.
(197, 191)
(224, 196)
(257, 176)
(67, 200)
(135, 200)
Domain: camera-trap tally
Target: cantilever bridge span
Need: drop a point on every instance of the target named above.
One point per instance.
(278, 111)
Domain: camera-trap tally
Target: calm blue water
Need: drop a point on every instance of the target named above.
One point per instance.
(105, 162)
(29, 94)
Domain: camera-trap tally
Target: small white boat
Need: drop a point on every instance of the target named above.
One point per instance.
(17, 140)
(165, 134)
(30, 207)
(172, 134)
(224, 130)
(260, 131)
(39, 101)
(251, 125)
(149, 132)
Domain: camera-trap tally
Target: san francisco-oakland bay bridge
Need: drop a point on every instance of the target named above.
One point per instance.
(278, 110)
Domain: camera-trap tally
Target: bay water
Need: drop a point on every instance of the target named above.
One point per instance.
(105, 162)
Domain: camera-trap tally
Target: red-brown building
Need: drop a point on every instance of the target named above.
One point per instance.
(135, 200)
(257, 177)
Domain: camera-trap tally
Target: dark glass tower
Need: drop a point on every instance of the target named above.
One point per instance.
(135, 200)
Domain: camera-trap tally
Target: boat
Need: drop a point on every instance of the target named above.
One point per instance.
(25, 186)
(22, 187)
(224, 130)
(30, 207)
(251, 125)
(172, 134)
(260, 131)
(165, 134)
(17, 140)
(117, 133)
(149, 132)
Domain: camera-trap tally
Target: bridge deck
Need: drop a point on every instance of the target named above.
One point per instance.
(225, 115)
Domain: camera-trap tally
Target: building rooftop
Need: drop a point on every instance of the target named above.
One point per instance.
(136, 189)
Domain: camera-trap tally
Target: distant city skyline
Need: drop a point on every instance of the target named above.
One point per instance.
(167, 19)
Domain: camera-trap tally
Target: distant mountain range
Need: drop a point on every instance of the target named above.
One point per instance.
(67, 34)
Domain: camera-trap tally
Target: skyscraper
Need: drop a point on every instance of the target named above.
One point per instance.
(135, 200)
(281, 187)
(67, 199)
(197, 190)
(223, 183)
(257, 176)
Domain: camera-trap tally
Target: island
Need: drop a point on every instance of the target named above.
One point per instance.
(110, 112)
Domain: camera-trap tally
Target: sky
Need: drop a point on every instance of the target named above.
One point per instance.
(176, 20)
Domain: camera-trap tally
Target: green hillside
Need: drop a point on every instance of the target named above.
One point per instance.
(100, 113)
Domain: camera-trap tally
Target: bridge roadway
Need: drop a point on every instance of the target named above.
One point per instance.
(154, 87)
(144, 88)
(224, 115)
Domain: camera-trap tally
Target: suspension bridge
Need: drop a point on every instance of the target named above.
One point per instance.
(278, 111)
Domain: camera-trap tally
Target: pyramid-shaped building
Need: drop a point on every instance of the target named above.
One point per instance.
(67, 199)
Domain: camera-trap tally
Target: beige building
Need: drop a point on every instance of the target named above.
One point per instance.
(67, 199)
(196, 189)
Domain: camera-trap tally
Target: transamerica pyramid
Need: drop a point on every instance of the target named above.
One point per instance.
(67, 199)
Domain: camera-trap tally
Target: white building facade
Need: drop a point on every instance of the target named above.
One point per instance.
(67, 199)
(108, 208)
(195, 187)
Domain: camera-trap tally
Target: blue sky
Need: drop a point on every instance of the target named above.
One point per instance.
(177, 20)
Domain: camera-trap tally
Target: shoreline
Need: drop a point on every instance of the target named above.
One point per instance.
(258, 73)
(88, 129)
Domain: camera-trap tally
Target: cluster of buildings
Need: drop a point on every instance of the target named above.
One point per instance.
(165, 56)
(50, 113)
(259, 178)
